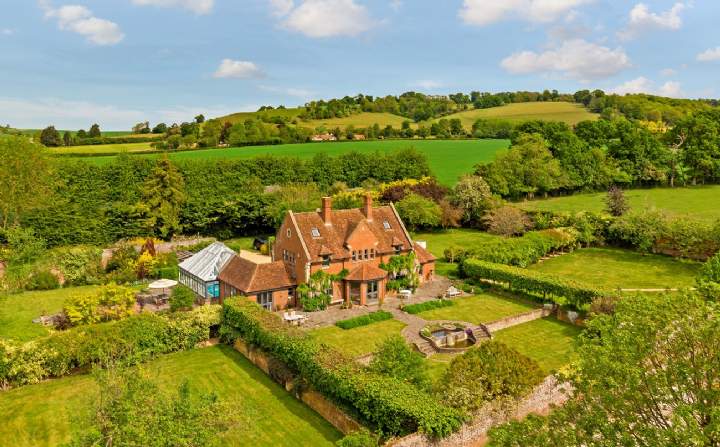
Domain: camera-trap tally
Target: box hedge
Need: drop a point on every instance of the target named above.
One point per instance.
(427, 305)
(364, 320)
(390, 405)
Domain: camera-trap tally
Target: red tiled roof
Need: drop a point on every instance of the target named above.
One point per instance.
(249, 277)
(423, 256)
(366, 272)
(333, 237)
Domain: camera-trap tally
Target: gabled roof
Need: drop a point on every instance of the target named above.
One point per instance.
(208, 262)
(333, 237)
(423, 256)
(366, 272)
(250, 277)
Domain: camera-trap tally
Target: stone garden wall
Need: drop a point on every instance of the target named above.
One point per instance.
(514, 320)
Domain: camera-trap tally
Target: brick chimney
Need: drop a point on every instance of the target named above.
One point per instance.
(367, 207)
(326, 211)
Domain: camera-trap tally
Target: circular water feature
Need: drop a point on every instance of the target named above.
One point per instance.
(449, 336)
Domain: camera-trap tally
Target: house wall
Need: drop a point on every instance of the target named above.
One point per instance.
(292, 244)
(281, 297)
(427, 271)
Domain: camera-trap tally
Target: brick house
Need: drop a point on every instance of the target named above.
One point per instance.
(354, 241)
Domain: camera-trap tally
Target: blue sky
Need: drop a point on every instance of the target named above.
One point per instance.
(117, 62)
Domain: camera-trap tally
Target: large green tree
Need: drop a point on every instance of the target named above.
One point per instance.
(164, 194)
(26, 178)
(50, 137)
(649, 375)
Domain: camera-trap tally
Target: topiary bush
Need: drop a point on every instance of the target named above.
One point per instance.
(364, 320)
(488, 372)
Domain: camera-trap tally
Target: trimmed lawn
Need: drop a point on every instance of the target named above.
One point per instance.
(479, 309)
(448, 159)
(548, 341)
(40, 415)
(358, 341)
(625, 269)
(698, 202)
(437, 364)
(18, 310)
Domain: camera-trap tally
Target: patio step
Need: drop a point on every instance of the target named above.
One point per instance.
(425, 347)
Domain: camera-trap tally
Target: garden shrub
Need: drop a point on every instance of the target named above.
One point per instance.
(182, 298)
(391, 405)
(507, 221)
(129, 341)
(364, 320)
(427, 305)
(488, 372)
(362, 438)
(522, 251)
(79, 265)
(43, 280)
(110, 302)
(559, 290)
(708, 280)
(394, 358)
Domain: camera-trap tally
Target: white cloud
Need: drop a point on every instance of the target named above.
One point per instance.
(67, 114)
(325, 18)
(427, 84)
(642, 84)
(7, 32)
(238, 70)
(282, 7)
(574, 59)
(196, 6)
(485, 12)
(80, 20)
(641, 19)
(709, 55)
(667, 72)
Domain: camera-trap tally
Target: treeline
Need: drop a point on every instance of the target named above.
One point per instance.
(101, 204)
(552, 158)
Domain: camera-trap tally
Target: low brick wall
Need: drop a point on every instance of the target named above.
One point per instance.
(514, 320)
(313, 399)
(474, 434)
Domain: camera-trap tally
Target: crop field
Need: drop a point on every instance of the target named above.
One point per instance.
(699, 202)
(95, 149)
(548, 111)
(614, 268)
(449, 159)
(40, 415)
(18, 310)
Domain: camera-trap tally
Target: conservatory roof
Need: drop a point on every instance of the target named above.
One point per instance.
(208, 262)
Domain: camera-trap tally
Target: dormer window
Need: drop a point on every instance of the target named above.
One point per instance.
(315, 233)
(398, 249)
(386, 225)
(326, 261)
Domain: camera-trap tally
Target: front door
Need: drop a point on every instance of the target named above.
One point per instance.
(355, 292)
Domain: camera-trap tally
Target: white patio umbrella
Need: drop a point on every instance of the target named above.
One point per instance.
(162, 284)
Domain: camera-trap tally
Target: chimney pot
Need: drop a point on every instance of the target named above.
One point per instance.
(326, 212)
(367, 207)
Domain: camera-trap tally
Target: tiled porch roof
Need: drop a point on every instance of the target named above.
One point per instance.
(366, 272)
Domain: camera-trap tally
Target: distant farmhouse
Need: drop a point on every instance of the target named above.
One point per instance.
(323, 137)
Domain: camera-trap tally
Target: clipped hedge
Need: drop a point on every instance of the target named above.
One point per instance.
(373, 317)
(560, 291)
(520, 251)
(427, 305)
(132, 340)
(392, 406)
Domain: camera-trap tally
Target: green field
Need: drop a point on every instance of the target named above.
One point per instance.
(449, 159)
(101, 149)
(548, 341)
(359, 120)
(699, 202)
(614, 268)
(18, 310)
(478, 309)
(358, 341)
(548, 111)
(40, 415)
(438, 241)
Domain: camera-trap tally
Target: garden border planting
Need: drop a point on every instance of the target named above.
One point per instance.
(414, 309)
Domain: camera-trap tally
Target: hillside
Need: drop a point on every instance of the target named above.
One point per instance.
(549, 111)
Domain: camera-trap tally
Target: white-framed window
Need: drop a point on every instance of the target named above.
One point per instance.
(288, 232)
(386, 225)
(354, 256)
(372, 290)
(265, 299)
(315, 233)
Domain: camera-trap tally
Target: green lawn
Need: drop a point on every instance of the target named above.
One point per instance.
(479, 309)
(358, 341)
(40, 415)
(548, 341)
(625, 269)
(18, 310)
(548, 111)
(449, 159)
(700, 202)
